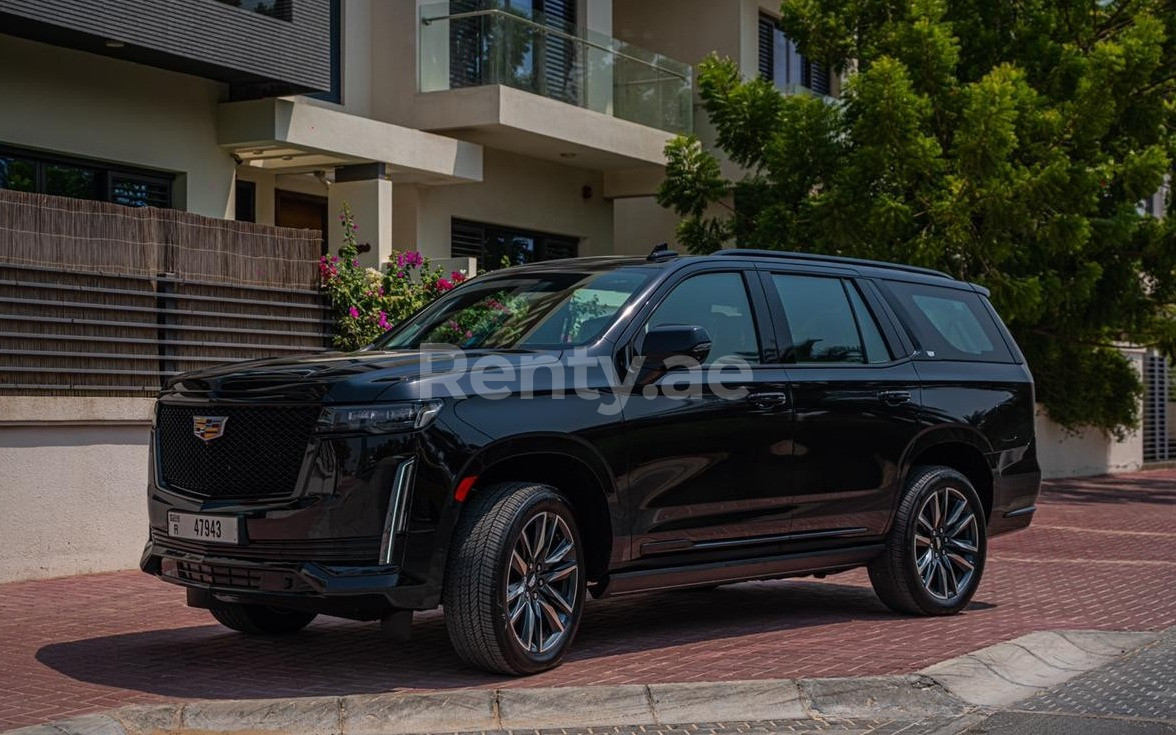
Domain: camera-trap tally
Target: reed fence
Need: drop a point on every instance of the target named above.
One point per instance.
(101, 299)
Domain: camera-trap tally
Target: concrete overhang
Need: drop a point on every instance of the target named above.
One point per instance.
(509, 119)
(294, 136)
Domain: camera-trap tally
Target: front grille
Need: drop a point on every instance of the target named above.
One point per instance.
(357, 551)
(241, 578)
(259, 454)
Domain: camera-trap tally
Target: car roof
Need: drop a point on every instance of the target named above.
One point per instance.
(671, 261)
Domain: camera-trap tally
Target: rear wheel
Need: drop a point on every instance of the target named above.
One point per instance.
(936, 549)
(260, 619)
(514, 591)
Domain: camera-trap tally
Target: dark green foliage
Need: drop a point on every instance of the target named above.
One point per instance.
(1006, 143)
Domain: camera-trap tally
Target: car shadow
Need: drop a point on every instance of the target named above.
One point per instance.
(1159, 489)
(334, 657)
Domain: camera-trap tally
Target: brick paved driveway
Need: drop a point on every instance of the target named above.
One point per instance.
(1101, 554)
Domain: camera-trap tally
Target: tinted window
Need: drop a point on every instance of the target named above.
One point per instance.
(718, 303)
(522, 310)
(951, 324)
(824, 323)
(876, 349)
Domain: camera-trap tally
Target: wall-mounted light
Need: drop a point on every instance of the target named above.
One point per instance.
(111, 43)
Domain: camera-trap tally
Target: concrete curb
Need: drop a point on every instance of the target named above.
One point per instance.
(988, 678)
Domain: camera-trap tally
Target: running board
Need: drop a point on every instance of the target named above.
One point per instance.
(743, 570)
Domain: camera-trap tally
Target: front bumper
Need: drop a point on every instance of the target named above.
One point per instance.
(359, 536)
(357, 592)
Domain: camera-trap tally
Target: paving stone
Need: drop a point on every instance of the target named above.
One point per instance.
(742, 700)
(401, 714)
(146, 719)
(307, 716)
(577, 707)
(1005, 673)
(1092, 560)
(892, 697)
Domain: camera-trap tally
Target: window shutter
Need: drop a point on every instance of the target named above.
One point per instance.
(467, 58)
(559, 247)
(467, 240)
(767, 55)
(816, 78)
(559, 53)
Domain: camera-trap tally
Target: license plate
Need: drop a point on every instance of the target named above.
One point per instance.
(212, 529)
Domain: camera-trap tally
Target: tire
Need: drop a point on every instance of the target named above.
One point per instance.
(260, 619)
(494, 585)
(924, 569)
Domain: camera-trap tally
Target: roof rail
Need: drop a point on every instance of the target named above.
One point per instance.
(833, 259)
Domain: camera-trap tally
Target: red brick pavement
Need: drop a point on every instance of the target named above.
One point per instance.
(1101, 554)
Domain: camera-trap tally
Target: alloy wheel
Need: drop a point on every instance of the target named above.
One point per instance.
(542, 583)
(947, 543)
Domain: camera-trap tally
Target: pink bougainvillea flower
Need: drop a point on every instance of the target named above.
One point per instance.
(457, 276)
(354, 313)
(444, 284)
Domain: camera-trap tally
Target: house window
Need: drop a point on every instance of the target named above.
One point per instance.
(246, 201)
(781, 64)
(279, 9)
(491, 243)
(80, 179)
(493, 49)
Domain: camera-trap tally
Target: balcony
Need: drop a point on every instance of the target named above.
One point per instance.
(518, 80)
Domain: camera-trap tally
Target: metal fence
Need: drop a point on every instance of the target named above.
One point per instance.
(1157, 445)
(100, 299)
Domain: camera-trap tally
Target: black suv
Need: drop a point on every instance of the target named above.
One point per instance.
(604, 425)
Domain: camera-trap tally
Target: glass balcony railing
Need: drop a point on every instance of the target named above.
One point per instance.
(472, 43)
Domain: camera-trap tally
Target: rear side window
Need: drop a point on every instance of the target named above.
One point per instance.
(951, 324)
(828, 321)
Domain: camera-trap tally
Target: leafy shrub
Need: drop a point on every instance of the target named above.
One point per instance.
(366, 302)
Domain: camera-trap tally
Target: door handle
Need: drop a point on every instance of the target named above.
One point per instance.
(768, 400)
(895, 397)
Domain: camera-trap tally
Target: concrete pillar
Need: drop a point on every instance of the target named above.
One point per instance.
(370, 196)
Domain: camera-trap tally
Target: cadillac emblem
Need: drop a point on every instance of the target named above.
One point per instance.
(208, 428)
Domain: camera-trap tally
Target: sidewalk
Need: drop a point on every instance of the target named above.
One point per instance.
(1101, 555)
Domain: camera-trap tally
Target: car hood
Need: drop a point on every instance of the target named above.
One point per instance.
(340, 377)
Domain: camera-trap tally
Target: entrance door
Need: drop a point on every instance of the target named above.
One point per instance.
(301, 211)
(710, 473)
(856, 402)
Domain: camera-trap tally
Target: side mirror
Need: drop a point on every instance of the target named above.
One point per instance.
(673, 340)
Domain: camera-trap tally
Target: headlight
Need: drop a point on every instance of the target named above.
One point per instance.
(380, 419)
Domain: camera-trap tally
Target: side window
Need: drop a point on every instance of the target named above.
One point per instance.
(876, 349)
(718, 303)
(828, 321)
(952, 324)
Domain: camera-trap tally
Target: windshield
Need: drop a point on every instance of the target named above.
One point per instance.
(542, 310)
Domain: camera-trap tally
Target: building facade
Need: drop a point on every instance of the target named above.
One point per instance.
(528, 129)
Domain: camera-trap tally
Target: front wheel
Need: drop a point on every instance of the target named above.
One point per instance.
(935, 552)
(260, 619)
(514, 591)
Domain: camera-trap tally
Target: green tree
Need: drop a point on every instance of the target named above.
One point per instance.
(1007, 143)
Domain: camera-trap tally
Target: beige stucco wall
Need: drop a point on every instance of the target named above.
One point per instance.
(73, 475)
(81, 104)
(1062, 453)
(1091, 452)
(515, 191)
